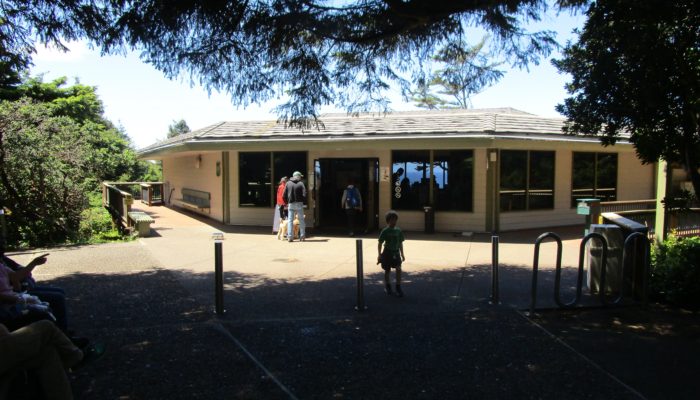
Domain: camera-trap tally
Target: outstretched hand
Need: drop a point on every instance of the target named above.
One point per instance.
(39, 260)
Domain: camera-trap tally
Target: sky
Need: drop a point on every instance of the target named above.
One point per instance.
(140, 99)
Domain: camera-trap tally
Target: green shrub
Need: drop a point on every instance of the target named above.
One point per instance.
(675, 275)
(95, 222)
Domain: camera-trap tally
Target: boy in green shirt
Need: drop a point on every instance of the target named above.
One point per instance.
(392, 256)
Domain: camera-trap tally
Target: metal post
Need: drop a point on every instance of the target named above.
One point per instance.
(218, 275)
(494, 270)
(360, 277)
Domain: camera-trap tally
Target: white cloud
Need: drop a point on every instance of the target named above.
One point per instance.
(77, 51)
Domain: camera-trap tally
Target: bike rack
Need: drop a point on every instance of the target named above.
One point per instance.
(536, 264)
(557, 276)
(634, 237)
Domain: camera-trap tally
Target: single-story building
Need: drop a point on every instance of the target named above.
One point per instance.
(480, 170)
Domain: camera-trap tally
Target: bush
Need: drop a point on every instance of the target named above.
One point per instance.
(675, 275)
(96, 223)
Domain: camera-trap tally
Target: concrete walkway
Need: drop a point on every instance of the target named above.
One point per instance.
(291, 331)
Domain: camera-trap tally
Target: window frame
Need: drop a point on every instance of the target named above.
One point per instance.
(272, 181)
(528, 190)
(432, 192)
(596, 166)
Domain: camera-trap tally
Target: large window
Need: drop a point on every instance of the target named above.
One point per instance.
(527, 180)
(257, 185)
(254, 177)
(452, 179)
(594, 175)
(285, 163)
(453, 172)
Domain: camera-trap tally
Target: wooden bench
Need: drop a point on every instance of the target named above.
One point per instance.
(195, 199)
(141, 221)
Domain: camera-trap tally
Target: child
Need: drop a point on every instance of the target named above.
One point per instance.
(392, 256)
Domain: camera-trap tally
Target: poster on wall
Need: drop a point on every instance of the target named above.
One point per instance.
(384, 174)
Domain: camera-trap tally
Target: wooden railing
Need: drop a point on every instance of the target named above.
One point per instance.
(152, 193)
(117, 202)
(681, 224)
(633, 205)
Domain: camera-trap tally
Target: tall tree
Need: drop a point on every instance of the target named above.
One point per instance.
(636, 71)
(178, 128)
(311, 52)
(55, 147)
(466, 71)
(41, 171)
(423, 96)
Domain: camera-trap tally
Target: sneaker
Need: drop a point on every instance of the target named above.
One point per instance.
(290, 240)
(303, 238)
(399, 292)
(80, 342)
(90, 353)
(387, 290)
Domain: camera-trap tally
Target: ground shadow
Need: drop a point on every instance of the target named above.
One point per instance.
(442, 340)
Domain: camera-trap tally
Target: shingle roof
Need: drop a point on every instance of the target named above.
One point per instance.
(495, 121)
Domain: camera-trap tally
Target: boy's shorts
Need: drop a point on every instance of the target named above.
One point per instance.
(390, 260)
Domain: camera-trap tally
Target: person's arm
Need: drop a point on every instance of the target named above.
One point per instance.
(379, 252)
(24, 273)
(343, 198)
(403, 257)
(9, 298)
(3, 330)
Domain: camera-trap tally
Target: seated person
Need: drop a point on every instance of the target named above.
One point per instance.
(55, 296)
(42, 348)
(20, 309)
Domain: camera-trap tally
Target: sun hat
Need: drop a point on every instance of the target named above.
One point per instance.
(297, 174)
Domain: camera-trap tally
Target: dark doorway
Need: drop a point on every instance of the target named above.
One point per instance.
(332, 176)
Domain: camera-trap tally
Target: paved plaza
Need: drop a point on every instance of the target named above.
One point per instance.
(291, 330)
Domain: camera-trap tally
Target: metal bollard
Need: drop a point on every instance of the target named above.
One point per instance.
(218, 274)
(360, 277)
(494, 270)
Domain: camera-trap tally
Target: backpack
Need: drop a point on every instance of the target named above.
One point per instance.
(352, 200)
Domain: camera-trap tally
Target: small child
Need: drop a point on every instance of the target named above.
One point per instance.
(392, 256)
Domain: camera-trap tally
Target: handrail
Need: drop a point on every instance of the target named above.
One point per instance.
(117, 201)
(536, 263)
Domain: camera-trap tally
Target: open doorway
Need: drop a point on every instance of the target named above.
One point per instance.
(332, 176)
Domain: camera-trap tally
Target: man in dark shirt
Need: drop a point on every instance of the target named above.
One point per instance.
(295, 196)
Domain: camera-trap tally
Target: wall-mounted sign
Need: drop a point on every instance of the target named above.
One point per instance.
(384, 174)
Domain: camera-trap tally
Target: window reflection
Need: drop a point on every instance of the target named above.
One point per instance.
(410, 179)
(254, 179)
(527, 180)
(453, 172)
(594, 175)
(255, 175)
